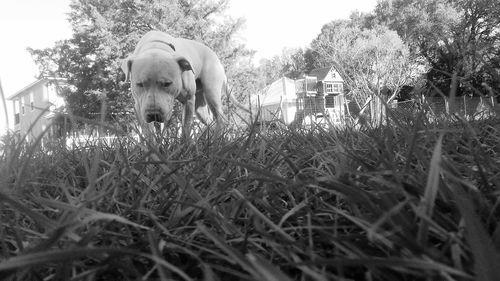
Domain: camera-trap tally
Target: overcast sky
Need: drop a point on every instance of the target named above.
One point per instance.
(275, 24)
(271, 25)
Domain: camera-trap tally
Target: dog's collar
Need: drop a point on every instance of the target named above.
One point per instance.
(166, 43)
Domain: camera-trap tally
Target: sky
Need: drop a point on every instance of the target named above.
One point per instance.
(271, 26)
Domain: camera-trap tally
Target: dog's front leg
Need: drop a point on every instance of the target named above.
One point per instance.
(188, 119)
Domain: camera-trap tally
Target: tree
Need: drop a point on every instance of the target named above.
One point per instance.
(457, 36)
(369, 60)
(292, 63)
(105, 32)
(246, 80)
(270, 69)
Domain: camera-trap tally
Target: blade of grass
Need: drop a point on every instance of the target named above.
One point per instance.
(168, 265)
(307, 269)
(265, 267)
(234, 256)
(396, 263)
(486, 258)
(208, 273)
(263, 217)
(164, 275)
(259, 171)
(426, 205)
(89, 215)
(363, 224)
(45, 257)
(453, 93)
(292, 211)
(66, 255)
(386, 217)
(40, 219)
(32, 148)
(92, 172)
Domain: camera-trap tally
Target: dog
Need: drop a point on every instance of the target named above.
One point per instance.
(164, 68)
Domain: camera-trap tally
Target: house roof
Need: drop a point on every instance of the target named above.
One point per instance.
(320, 73)
(33, 84)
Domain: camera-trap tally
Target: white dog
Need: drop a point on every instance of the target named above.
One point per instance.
(164, 68)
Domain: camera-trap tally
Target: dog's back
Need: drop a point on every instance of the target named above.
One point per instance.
(198, 54)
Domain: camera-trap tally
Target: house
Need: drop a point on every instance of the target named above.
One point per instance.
(277, 102)
(315, 98)
(35, 107)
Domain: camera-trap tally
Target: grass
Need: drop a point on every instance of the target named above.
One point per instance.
(411, 201)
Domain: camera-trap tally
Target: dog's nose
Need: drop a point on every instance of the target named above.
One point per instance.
(154, 115)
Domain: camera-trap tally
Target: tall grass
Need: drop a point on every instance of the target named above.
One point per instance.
(412, 200)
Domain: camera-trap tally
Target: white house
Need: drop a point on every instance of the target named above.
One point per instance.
(277, 101)
(35, 107)
(316, 97)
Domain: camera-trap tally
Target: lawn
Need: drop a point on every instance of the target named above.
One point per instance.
(413, 200)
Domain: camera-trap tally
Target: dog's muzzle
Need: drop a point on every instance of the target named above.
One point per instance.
(154, 115)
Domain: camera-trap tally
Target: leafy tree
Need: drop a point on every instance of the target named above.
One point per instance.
(271, 69)
(371, 61)
(457, 36)
(246, 80)
(105, 32)
(292, 63)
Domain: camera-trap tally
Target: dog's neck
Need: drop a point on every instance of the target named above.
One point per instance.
(163, 43)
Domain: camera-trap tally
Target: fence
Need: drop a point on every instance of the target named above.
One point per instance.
(471, 108)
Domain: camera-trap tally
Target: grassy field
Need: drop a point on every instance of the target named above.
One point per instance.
(411, 201)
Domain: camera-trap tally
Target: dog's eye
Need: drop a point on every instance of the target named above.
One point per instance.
(140, 85)
(165, 84)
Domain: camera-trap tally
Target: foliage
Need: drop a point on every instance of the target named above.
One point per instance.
(414, 200)
(105, 32)
(459, 36)
(435, 37)
(271, 69)
(245, 80)
(371, 61)
(292, 63)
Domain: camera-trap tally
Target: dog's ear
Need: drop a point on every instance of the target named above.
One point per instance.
(184, 64)
(187, 76)
(126, 67)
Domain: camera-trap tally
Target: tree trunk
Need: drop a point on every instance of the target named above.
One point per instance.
(377, 111)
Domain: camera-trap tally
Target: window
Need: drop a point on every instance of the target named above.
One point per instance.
(329, 101)
(16, 112)
(23, 102)
(336, 88)
(329, 88)
(32, 101)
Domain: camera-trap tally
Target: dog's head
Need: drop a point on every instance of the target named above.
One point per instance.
(157, 79)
